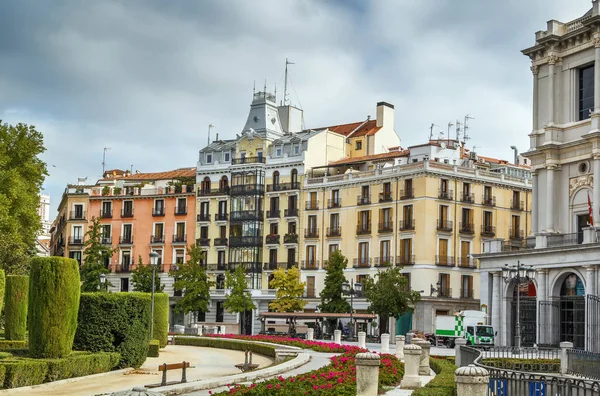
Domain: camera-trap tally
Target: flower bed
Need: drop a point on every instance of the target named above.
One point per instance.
(317, 346)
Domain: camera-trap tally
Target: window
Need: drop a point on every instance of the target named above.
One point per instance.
(204, 232)
(204, 211)
(488, 219)
(124, 284)
(311, 256)
(273, 256)
(407, 276)
(127, 236)
(159, 207)
(333, 248)
(310, 286)
(385, 217)
(405, 251)
(78, 212)
(365, 191)
(179, 256)
(276, 178)
(259, 154)
(359, 144)
(292, 227)
(106, 209)
(160, 256)
(181, 205)
(443, 251)
(291, 257)
(106, 231)
(77, 234)
(221, 259)
(586, 92)
(466, 290)
(334, 222)
(384, 252)
(444, 286)
(209, 158)
(222, 209)
(278, 151)
(76, 256)
(125, 260)
(200, 316)
(361, 278)
(223, 232)
(294, 176)
(312, 223)
(220, 311)
(242, 155)
(180, 230)
(274, 229)
(159, 232)
(296, 149)
(363, 254)
(227, 156)
(407, 214)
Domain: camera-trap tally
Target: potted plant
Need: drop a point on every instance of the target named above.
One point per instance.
(117, 191)
(105, 190)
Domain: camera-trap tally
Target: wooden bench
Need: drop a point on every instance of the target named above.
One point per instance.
(173, 366)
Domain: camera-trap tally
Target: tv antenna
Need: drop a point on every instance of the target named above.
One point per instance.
(431, 131)
(440, 135)
(285, 91)
(106, 148)
(210, 126)
(458, 125)
(466, 128)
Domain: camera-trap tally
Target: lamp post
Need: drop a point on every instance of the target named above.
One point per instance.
(102, 281)
(352, 289)
(520, 273)
(154, 263)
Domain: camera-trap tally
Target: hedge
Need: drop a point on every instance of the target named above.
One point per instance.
(209, 342)
(2, 288)
(115, 322)
(24, 372)
(153, 349)
(53, 304)
(161, 318)
(10, 344)
(443, 384)
(528, 365)
(15, 309)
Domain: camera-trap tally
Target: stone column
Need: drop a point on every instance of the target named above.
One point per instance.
(596, 113)
(550, 209)
(400, 347)
(496, 301)
(367, 374)
(337, 336)
(596, 186)
(534, 205)
(362, 339)
(471, 381)
(424, 361)
(564, 356)
(222, 329)
(412, 357)
(535, 70)
(385, 343)
(310, 334)
(552, 60)
(457, 352)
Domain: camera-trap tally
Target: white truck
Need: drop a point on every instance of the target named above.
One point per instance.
(470, 325)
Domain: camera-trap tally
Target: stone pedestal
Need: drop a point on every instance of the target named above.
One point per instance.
(472, 381)
(409, 337)
(222, 329)
(412, 358)
(362, 339)
(564, 356)
(400, 347)
(385, 343)
(424, 362)
(337, 336)
(367, 374)
(310, 334)
(457, 344)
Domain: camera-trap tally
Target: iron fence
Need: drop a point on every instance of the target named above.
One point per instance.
(511, 383)
(593, 323)
(583, 363)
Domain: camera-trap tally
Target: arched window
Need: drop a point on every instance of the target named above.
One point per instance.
(572, 287)
(275, 178)
(294, 177)
(206, 185)
(224, 184)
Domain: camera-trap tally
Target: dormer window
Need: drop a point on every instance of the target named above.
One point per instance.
(226, 156)
(278, 151)
(296, 149)
(359, 145)
(209, 158)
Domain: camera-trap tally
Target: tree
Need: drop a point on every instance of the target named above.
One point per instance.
(289, 290)
(22, 174)
(239, 299)
(191, 279)
(95, 253)
(332, 300)
(141, 277)
(389, 295)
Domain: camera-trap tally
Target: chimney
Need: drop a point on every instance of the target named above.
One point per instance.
(385, 114)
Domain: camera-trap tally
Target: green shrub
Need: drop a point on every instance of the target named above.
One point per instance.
(115, 322)
(443, 384)
(153, 349)
(53, 304)
(529, 365)
(161, 318)
(9, 344)
(15, 310)
(209, 342)
(2, 288)
(24, 372)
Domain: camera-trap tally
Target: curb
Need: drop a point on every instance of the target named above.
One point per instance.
(277, 346)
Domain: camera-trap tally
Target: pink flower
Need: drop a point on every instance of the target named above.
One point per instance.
(316, 387)
(269, 386)
(340, 380)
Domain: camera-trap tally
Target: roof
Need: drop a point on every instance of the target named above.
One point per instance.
(220, 145)
(295, 137)
(167, 175)
(369, 128)
(493, 160)
(372, 157)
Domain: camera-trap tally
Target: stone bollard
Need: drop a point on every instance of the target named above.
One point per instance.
(362, 339)
(457, 344)
(337, 336)
(412, 358)
(310, 335)
(424, 362)
(472, 381)
(385, 343)
(367, 374)
(564, 356)
(222, 329)
(400, 347)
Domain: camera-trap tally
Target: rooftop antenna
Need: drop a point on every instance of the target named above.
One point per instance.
(440, 135)
(450, 125)
(254, 88)
(210, 126)
(458, 124)
(265, 89)
(431, 131)
(285, 92)
(275, 92)
(466, 128)
(106, 148)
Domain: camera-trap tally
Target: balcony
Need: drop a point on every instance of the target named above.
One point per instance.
(488, 230)
(204, 242)
(221, 216)
(444, 261)
(246, 215)
(467, 197)
(312, 205)
(363, 229)
(76, 240)
(363, 200)
(334, 203)
(220, 241)
(445, 194)
(466, 262)
(290, 212)
(158, 212)
(466, 293)
(203, 217)
(290, 238)
(384, 261)
(385, 196)
(127, 212)
(157, 239)
(245, 241)
(311, 233)
(272, 266)
(445, 292)
(407, 225)
(77, 215)
(247, 189)
(488, 200)
(126, 240)
(334, 232)
(516, 205)
(466, 228)
(310, 293)
(273, 214)
(407, 193)
(405, 259)
(310, 265)
(385, 227)
(181, 211)
(283, 187)
(515, 234)
(213, 267)
(248, 160)
(106, 240)
(272, 239)
(106, 214)
(444, 225)
(179, 238)
(361, 262)
(215, 191)
(123, 268)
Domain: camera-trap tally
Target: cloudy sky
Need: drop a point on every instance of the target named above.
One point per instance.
(147, 77)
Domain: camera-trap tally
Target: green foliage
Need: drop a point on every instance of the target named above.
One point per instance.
(22, 174)
(332, 300)
(15, 311)
(24, 372)
(153, 349)
(239, 299)
(115, 322)
(389, 295)
(191, 278)
(2, 288)
(209, 342)
(161, 318)
(527, 365)
(141, 277)
(443, 384)
(94, 255)
(53, 305)
(12, 344)
(288, 297)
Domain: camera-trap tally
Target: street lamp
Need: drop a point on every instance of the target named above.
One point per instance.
(352, 289)
(154, 263)
(520, 273)
(102, 281)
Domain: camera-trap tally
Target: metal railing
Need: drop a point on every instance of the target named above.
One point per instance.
(157, 239)
(311, 233)
(363, 229)
(467, 228)
(466, 293)
(221, 216)
(283, 186)
(516, 205)
(564, 239)
(362, 262)
(126, 240)
(488, 200)
(158, 212)
(444, 261)
(445, 194)
(245, 241)
(215, 191)
(77, 215)
(273, 214)
(384, 261)
(407, 224)
(312, 205)
(385, 196)
(444, 225)
(310, 264)
(247, 189)
(407, 193)
(290, 212)
(127, 212)
(467, 197)
(76, 240)
(334, 231)
(488, 230)
(179, 238)
(220, 241)
(106, 214)
(363, 200)
(466, 262)
(246, 215)
(203, 242)
(386, 226)
(515, 234)
(272, 239)
(203, 217)
(290, 238)
(583, 364)
(248, 160)
(405, 259)
(334, 203)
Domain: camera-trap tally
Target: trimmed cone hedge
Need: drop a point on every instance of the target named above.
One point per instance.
(53, 304)
(2, 288)
(15, 310)
(153, 350)
(115, 322)
(161, 318)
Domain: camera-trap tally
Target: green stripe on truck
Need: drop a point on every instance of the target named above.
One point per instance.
(448, 333)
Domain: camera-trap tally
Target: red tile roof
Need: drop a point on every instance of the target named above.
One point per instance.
(370, 128)
(373, 157)
(173, 174)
